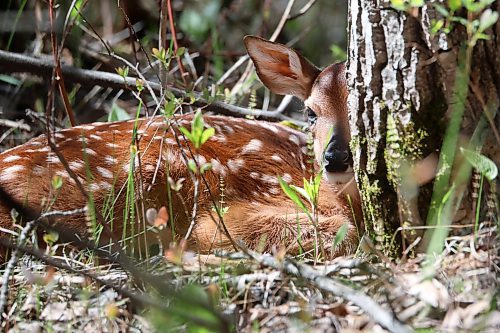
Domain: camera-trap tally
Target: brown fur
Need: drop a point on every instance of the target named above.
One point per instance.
(260, 214)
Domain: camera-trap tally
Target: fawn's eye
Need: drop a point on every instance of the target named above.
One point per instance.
(311, 116)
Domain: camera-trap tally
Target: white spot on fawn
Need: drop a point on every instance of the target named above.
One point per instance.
(253, 146)
(157, 124)
(218, 128)
(11, 158)
(254, 175)
(112, 145)
(228, 129)
(89, 151)
(59, 135)
(149, 167)
(38, 170)
(127, 166)
(76, 165)
(95, 137)
(277, 158)
(43, 150)
(170, 141)
(268, 179)
(200, 159)
(219, 138)
(218, 167)
(52, 158)
(110, 160)
(10, 172)
(62, 173)
(105, 186)
(85, 127)
(295, 139)
(287, 178)
(235, 165)
(274, 190)
(269, 126)
(105, 172)
(94, 187)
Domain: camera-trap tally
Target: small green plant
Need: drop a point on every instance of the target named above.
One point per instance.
(405, 5)
(198, 134)
(487, 169)
(309, 192)
(165, 56)
(446, 191)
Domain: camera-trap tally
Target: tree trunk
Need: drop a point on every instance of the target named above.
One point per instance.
(402, 94)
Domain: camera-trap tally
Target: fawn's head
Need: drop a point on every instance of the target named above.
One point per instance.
(324, 93)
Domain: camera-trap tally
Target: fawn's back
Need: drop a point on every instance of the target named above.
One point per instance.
(126, 179)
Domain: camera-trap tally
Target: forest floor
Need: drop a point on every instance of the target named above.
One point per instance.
(459, 293)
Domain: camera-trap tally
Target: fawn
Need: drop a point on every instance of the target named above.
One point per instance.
(246, 158)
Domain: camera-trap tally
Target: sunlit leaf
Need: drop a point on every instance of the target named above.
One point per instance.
(487, 19)
(481, 163)
(292, 194)
(341, 234)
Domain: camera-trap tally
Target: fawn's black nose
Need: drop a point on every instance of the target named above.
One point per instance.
(337, 157)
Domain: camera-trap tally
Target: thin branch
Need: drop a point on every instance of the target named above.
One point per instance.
(302, 11)
(328, 284)
(18, 63)
(21, 241)
(15, 124)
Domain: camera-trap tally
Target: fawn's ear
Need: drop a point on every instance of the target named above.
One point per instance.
(280, 68)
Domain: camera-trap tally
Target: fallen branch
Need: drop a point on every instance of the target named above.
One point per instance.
(328, 284)
(18, 63)
(15, 124)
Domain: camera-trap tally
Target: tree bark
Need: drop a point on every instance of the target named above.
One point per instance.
(401, 79)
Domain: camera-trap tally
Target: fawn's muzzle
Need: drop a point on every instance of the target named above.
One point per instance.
(337, 157)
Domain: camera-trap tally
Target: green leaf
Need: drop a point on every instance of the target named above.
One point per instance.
(169, 95)
(169, 109)
(341, 234)
(57, 182)
(180, 51)
(207, 134)
(50, 237)
(481, 163)
(436, 26)
(455, 4)
(117, 114)
(441, 10)
(306, 187)
(292, 194)
(303, 192)
(416, 3)
(338, 53)
(487, 19)
(205, 167)
(186, 133)
(192, 165)
(399, 4)
(10, 80)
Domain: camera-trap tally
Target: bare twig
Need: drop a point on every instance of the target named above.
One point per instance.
(328, 284)
(303, 10)
(23, 236)
(162, 40)
(13, 62)
(15, 124)
(57, 74)
(174, 39)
